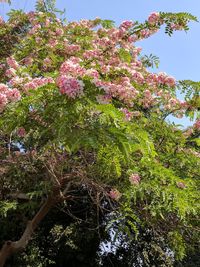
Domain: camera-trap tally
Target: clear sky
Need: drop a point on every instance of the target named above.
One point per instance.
(179, 55)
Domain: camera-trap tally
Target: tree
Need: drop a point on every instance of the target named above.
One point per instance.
(81, 111)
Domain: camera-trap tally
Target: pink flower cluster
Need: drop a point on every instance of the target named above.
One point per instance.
(8, 95)
(12, 63)
(123, 90)
(138, 77)
(154, 18)
(59, 32)
(92, 73)
(3, 101)
(164, 79)
(126, 25)
(13, 95)
(71, 48)
(103, 42)
(91, 54)
(35, 29)
(128, 114)
(15, 81)
(177, 27)
(10, 72)
(114, 194)
(148, 100)
(117, 34)
(72, 67)
(160, 79)
(28, 60)
(38, 82)
(70, 86)
(99, 64)
(52, 43)
(134, 179)
(101, 58)
(82, 23)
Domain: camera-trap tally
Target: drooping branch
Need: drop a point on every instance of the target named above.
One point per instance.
(11, 247)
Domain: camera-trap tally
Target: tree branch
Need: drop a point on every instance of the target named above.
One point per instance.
(11, 247)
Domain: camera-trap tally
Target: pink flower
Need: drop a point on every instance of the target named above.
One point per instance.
(47, 22)
(176, 27)
(147, 94)
(3, 88)
(71, 49)
(128, 114)
(35, 29)
(152, 78)
(145, 33)
(3, 101)
(70, 67)
(173, 102)
(13, 95)
(127, 24)
(114, 194)
(125, 81)
(10, 72)
(85, 23)
(137, 76)
(12, 63)
(47, 61)
(21, 132)
(181, 185)
(38, 82)
(16, 81)
(154, 18)
(137, 50)
(170, 81)
(161, 77)
(134, 179)
(30, 85)
(59, 32)
(92, 73)
(70, 86)
(90, 54)
(131, 39)
(127, 94)
(52, 43)
(31, 14)
(28, 60)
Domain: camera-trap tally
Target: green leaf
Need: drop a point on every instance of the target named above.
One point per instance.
(107, 23)
(125, 55)
(6, 206)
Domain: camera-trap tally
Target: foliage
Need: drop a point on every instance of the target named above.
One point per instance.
(80, 111)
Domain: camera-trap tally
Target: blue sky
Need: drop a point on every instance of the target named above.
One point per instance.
(179, 55)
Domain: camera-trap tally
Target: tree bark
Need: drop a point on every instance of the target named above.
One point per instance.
(11, 247)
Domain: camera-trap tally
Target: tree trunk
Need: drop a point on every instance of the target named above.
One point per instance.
(11, 247)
